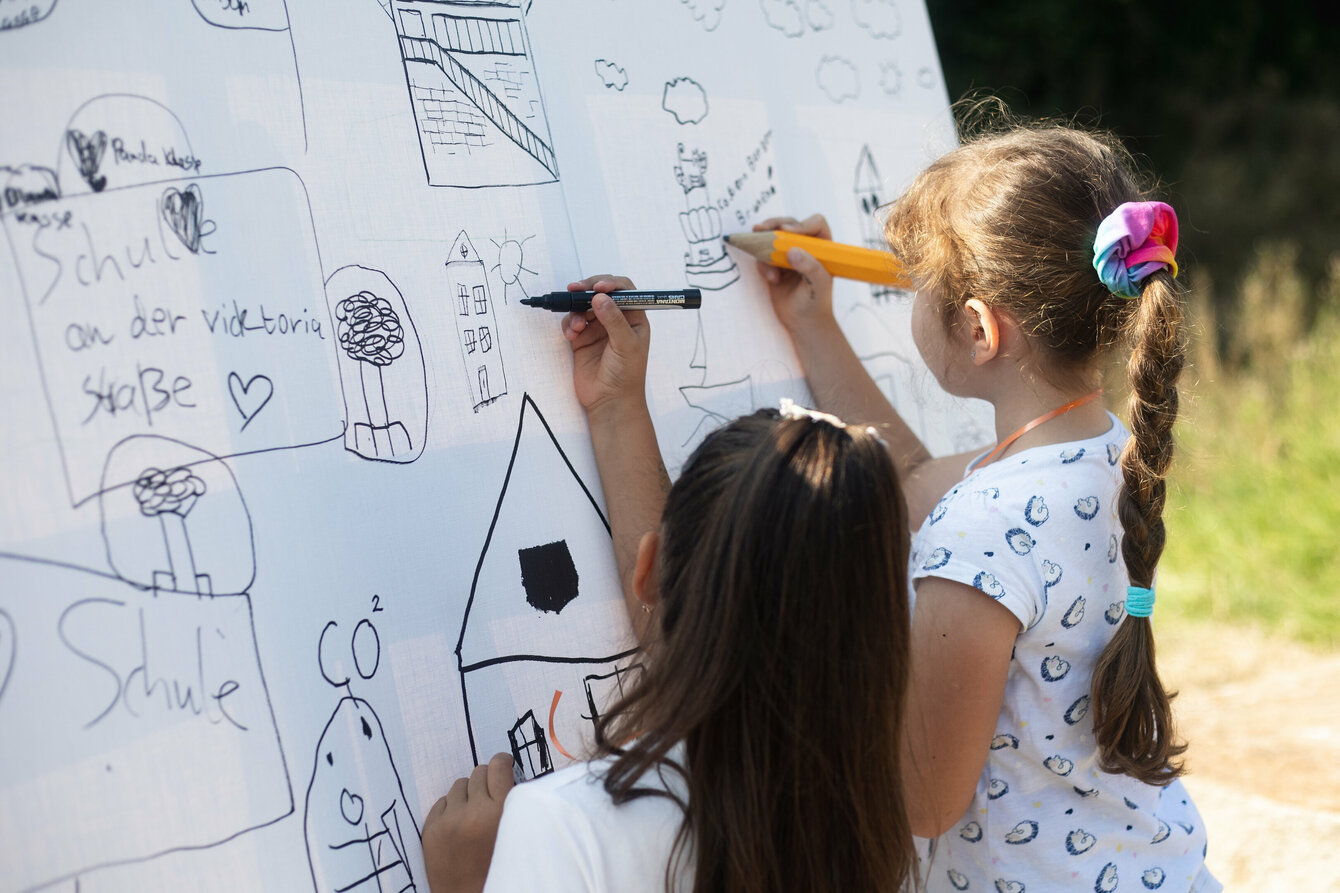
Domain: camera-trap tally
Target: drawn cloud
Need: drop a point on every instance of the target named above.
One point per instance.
(788, 17)
(838, 78)
(611, 75)
(706, 12)
(880, 17)
(685, 99)
(890, 78)
(784, 16)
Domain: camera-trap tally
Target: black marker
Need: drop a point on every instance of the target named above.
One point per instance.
(580, 301)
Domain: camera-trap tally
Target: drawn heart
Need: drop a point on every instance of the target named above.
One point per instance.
(183, 210)
(6, 650)
(250, 397)
(87, 152)
(351, 807)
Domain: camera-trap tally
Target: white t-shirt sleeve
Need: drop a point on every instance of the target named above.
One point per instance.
(976, 537)
(544, 844)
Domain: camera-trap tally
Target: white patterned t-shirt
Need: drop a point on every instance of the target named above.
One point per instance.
(1038, 532)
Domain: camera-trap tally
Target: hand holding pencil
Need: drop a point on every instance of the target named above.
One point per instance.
(812, 235)
(798, 260)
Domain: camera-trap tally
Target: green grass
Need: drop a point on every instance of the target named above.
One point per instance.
(1254, 499)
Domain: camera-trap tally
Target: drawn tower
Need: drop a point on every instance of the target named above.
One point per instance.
(475, 93)
(476, 326)
(867, 189)
(706, 263)
(545, 644)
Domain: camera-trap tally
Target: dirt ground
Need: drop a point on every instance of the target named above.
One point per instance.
(1262, 716)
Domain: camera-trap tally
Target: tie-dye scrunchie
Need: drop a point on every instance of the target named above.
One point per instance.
(1135, 241)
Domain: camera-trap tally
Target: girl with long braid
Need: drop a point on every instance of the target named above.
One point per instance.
(1039, 749)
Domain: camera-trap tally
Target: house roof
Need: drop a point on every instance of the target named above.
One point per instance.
(546, 586)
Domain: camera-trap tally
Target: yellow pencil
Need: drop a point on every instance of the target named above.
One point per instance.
(847, 261)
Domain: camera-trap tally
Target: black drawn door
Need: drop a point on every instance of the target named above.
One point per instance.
(484, 384)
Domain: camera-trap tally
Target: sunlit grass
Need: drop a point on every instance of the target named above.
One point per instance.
(1254, 501)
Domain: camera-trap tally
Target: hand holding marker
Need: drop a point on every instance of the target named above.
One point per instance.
(631, 299)
(770, 247)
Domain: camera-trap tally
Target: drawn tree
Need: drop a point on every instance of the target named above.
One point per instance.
(370, 332)
(169, 496)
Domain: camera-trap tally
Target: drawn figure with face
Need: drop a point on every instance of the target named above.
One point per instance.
(356, 820)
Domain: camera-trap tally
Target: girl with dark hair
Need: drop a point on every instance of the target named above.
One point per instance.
(758, 749)
(1040, 753)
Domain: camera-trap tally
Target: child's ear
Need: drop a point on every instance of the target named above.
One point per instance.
(644, 580)
(983, 330)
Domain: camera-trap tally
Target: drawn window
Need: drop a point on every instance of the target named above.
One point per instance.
(411, 21)
(463, 297)
(481, 300)
(602, 691)
(485, 339)
(469, 340)
(529, 749)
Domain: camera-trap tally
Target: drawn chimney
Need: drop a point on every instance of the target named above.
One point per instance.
(170, 496)
(706, 263)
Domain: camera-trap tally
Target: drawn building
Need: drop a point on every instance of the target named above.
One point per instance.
(356, 818)
(475, 93)
(476, 325)
(706, 263)
(868, 188)
(189, 718)
(545, 644)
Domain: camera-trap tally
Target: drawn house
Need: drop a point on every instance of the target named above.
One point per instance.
(868, 188)
(545, 644)
(475, 93)
(476, 326)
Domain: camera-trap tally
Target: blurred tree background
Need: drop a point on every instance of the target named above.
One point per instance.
(1235, 104)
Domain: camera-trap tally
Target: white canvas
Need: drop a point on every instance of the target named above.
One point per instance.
(300, 517)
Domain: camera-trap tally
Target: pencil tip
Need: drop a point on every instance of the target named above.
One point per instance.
(726, 239)
(529, 302)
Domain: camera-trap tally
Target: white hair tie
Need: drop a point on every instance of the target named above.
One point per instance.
(790, 409)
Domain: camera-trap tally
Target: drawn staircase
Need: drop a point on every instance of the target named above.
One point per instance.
(423, 49)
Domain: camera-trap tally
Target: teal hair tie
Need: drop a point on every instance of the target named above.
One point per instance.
(1139, 602)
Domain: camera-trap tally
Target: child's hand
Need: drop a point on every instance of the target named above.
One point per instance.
(461, 828)
(801, 296)
(609, 347)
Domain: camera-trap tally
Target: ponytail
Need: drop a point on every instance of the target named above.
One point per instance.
(1132, 711)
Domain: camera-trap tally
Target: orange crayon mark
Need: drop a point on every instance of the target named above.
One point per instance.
(553, 738)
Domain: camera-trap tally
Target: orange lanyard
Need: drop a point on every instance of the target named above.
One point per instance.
(1045, 417)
